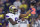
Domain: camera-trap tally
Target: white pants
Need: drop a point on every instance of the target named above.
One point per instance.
(10, 25)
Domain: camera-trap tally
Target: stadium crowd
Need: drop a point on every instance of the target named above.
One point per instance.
(31, 18)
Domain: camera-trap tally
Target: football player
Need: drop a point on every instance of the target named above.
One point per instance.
(23, 22)
(37, 22)
(14, 16)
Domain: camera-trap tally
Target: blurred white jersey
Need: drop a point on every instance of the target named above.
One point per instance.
(14, 17)
(23, 23)
(37, 24)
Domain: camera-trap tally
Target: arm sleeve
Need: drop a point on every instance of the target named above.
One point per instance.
(7, 16)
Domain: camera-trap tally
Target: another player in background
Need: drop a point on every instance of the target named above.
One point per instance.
(37, 22)
(23, 22)
(13, 16)
(33, 12)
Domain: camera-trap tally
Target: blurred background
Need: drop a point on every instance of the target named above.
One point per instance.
(22, 5)
(19, 3)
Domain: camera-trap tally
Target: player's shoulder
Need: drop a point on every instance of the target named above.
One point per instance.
(8, 13)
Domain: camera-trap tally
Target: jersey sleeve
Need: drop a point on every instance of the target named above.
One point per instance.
(7, 16)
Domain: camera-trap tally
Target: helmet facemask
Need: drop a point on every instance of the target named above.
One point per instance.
(15, 11)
